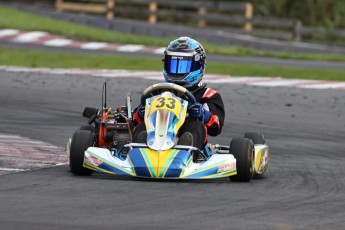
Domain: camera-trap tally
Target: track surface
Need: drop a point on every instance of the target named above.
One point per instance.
(304, 188)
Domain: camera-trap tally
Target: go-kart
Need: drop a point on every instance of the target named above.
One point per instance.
(107, 147)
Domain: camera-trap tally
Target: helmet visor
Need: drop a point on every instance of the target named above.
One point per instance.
(180, 64)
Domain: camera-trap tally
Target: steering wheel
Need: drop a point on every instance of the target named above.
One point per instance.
(157, 88)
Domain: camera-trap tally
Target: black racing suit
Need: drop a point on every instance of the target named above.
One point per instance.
(211, 101)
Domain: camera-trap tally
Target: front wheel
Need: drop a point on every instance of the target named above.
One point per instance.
(81, 141)
(243, 151)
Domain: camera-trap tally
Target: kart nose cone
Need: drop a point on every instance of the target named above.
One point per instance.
(163, 164)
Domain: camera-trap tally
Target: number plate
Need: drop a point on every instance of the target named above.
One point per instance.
(166, 103)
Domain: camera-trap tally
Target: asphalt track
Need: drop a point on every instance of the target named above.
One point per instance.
(303, 190)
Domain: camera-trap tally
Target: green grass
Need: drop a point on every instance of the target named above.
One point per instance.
(19, 57)
(16, 19)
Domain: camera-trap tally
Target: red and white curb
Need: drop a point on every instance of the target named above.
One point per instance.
(47, 39)
(21, 154)
(208, 78)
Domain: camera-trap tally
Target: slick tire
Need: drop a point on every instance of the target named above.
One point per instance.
(257, 138)
(87, 127)
(243, 150)
(81, 140)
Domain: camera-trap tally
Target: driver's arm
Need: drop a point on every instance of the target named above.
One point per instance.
(212, 101)
(138, 115)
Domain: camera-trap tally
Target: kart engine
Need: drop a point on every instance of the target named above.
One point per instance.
(113, 128)
(116, 129)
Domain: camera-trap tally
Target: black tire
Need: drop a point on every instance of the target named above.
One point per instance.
(87, 127)
(257, 138)
(243, 151)
(81, 140)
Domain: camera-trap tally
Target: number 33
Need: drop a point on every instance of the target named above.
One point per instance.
(171, 105)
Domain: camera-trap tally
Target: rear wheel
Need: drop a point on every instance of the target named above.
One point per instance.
(257, 138)
(81, 140)
(87, 127)
(243, 150)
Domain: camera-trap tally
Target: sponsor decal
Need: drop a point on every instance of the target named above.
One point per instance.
(226, 167)
(263, 160)
(179, 58)
(93, 161)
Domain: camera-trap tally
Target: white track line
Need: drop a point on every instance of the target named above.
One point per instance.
(8, 32)
(10, 169)
(280, 82)
(21, 154)
(235, 80)
(130, 48)
(9, 136)
(123, 74)
(212, 78)
(329, 85)
(93, 45)
(30, 36)
(159, 50)
(58, 42)
(157, 78)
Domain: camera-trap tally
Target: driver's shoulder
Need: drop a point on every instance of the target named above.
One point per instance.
(208, 92)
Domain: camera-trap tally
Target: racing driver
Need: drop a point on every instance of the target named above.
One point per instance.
(184, 64)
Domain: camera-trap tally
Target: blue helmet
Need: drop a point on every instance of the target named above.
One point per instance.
(184, 62)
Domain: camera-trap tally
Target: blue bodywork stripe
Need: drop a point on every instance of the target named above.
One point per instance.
(177, 164)
(139, 164)
(110, 168)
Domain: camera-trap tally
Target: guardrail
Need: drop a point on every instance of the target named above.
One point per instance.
(160, 9)
(233, 16)
(98, 7)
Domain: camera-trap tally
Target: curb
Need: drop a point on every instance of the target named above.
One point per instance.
(50, 40)
(208, 78)
(19, 154)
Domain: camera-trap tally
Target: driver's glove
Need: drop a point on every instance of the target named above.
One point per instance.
(197, 111)
(141, 111)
